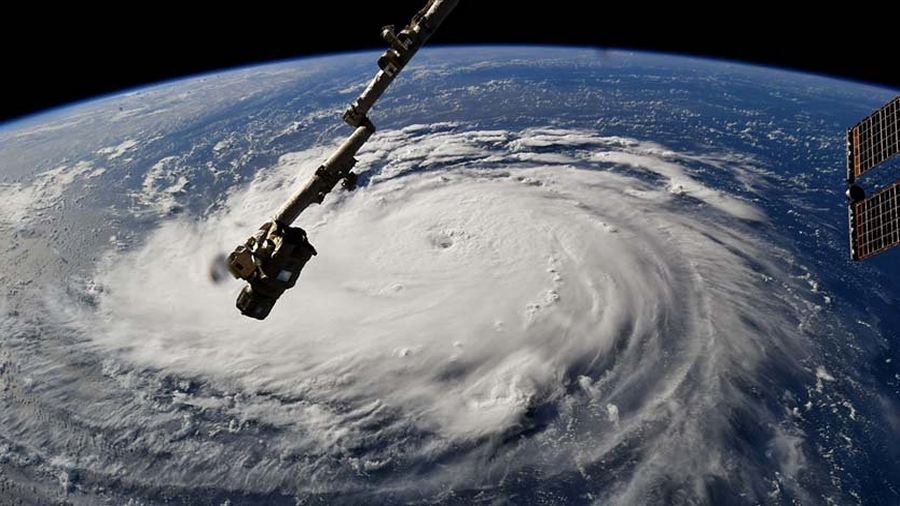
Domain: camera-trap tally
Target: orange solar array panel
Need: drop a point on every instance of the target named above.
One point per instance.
(875, 223)
(873, 140)
(874, 220)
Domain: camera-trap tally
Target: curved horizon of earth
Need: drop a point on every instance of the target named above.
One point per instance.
(567, 277)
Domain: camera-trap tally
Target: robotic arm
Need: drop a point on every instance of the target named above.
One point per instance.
(271, 260)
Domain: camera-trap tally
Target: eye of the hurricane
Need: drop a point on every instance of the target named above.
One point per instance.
(476, 298)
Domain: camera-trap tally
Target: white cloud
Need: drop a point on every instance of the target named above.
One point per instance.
(113, 152)
(162, 186)
(22, 203)
(461, 289)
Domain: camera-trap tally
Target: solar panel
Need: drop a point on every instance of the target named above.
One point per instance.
(874, 220)
(875, 223)
(873, 140)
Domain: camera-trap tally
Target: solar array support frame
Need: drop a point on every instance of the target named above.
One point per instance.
(874, 221)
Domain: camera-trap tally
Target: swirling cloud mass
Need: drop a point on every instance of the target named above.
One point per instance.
(547, 314)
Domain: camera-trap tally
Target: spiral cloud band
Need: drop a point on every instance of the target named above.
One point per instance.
(489, 310)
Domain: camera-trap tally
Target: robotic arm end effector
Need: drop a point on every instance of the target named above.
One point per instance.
(270, 261)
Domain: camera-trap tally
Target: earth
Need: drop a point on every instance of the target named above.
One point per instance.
(568, 276)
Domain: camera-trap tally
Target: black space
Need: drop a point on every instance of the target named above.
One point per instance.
(54, 55)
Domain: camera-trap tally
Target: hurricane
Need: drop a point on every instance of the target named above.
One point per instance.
(560, 312)
(482, 312)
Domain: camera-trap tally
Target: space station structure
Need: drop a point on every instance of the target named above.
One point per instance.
(874, 220)
(270, 261)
